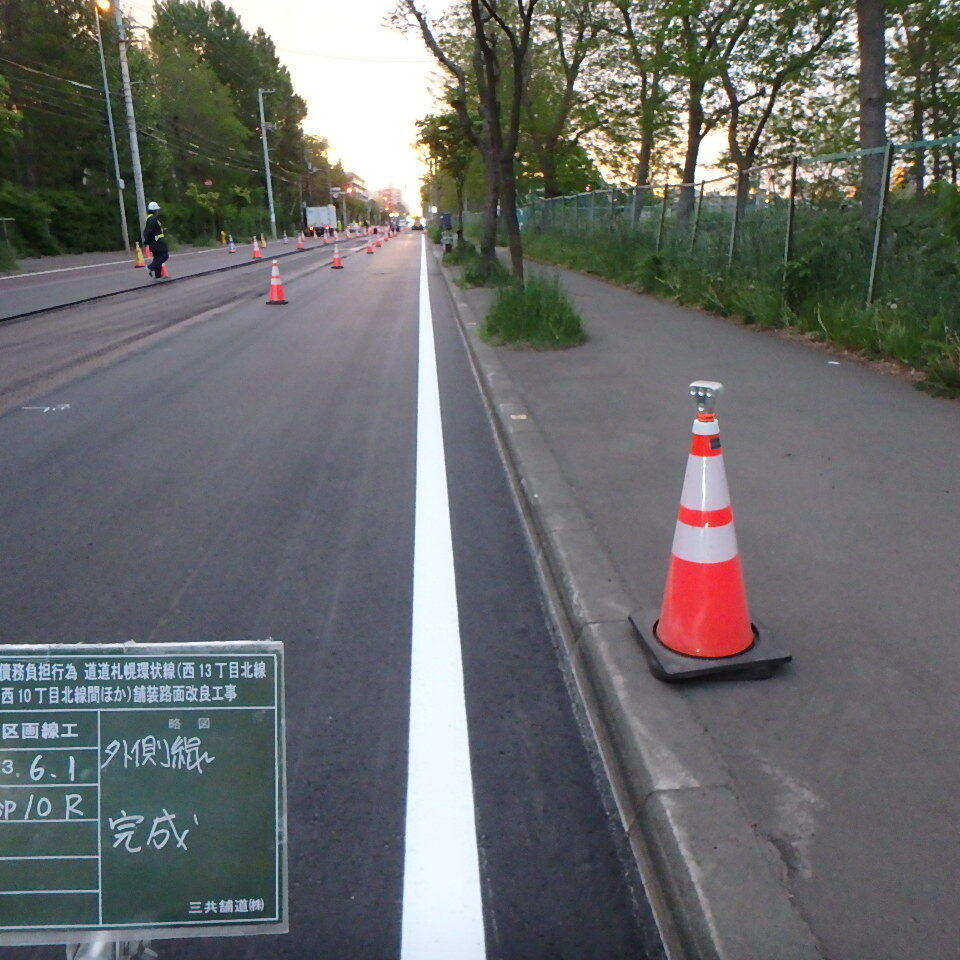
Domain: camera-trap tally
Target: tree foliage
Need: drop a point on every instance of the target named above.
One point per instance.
(196, 73)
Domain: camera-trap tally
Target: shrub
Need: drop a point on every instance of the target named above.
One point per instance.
(8, 256)
(478, 271)
(535, 314)
(463, 253)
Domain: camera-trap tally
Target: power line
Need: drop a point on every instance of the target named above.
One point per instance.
(52, 76)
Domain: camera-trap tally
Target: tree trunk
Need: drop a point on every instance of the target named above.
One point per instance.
(871, 22)
(459, 211)
(508, 212)
(694, 137)
(491, 200)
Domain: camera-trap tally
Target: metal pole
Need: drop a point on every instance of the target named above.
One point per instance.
(741, 174)
(663, 215)
(131, 119)
(788, 239)
(113, 134)
(696, 217)
(878, 230)
(266, 163)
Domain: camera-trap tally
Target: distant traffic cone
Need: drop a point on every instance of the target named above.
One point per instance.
(276, 297)
(231, 246)
(369, 246)
(300, 244)
(285, 237)
(703, 627)
(257, 255)
(326, 239)
(263, 242)
(379, 241)
(337, 262)
(139, 262)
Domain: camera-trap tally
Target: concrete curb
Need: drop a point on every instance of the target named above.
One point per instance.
(716, 886)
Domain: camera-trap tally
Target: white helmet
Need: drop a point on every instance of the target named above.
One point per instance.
(153, 205)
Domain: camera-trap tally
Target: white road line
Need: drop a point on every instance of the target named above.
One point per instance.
(105, 263)
(442, 906)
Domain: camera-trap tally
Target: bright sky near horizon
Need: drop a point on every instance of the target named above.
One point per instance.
(365, 83)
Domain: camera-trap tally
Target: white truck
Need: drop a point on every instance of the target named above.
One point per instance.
(320, 217)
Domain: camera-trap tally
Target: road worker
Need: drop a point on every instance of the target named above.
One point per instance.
(154, 239)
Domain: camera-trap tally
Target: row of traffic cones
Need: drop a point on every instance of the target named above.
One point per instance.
(703, 626)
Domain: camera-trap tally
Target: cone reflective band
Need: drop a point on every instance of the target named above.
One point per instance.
(704, 612)
(277, 296)
(703, 627)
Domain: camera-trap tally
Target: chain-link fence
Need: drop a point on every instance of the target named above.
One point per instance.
(786, 242)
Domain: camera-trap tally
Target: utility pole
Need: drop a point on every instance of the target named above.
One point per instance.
(266, 162)
(97, 7)
(131, 119)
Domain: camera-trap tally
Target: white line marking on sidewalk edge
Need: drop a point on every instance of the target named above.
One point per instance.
(442, 905)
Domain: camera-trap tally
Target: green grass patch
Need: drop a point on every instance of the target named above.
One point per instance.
(536, 314)
(463, 253)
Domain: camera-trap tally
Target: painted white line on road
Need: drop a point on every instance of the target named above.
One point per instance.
(106, 263)
(442, 906)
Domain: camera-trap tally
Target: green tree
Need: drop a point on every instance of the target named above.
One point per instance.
(442, 138)
(9, 115)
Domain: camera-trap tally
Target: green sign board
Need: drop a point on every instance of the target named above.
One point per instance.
(141, 791)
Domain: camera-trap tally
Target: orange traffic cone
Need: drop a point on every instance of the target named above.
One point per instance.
(326, 239)
(139, 262)
(369, 246)
(300, 244)
(379, 241)
(703, 627)
(257, 255)
(276, 297)
(337, 262)
(163, 270)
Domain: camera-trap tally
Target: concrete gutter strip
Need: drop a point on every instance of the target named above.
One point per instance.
(716, 886)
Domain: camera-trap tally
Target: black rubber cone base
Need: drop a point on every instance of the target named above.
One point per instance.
(277, 303)
(757, 662)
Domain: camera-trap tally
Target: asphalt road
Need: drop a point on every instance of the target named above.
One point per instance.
(40, 287)
(190, 464)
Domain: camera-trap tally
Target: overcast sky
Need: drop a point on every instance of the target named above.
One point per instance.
(365, 84)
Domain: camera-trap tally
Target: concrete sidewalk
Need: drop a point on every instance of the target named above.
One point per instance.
(825, 797)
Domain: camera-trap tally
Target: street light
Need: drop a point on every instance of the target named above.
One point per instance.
(266, 162)
(103, 6)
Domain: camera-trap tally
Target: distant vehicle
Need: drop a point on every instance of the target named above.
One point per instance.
(417, 223)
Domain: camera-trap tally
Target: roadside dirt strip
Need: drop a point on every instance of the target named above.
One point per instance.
(716, 886)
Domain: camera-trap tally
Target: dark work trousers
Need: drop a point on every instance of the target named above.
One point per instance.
(160, 256)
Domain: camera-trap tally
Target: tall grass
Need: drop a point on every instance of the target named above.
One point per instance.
(536, 314)
(915, 317)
